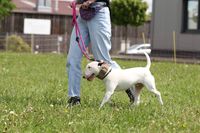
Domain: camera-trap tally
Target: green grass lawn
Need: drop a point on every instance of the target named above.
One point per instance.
(33, 95)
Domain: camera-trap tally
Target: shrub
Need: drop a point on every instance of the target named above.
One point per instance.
(17, 44)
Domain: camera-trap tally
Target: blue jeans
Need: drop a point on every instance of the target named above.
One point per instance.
(96, 31)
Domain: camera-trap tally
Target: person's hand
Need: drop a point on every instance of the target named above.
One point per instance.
(87, 3)
(71, 4)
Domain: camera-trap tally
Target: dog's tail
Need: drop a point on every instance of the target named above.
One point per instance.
(148, 61)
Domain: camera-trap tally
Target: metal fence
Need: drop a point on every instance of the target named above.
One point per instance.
(135, 35)
(60, 43)
(40, 43)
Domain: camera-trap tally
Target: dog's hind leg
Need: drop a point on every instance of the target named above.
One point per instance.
(137, 89)
(150, 84)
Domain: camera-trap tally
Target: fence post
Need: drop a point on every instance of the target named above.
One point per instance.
(6, 42)
(58, 47)
(32, 43)
(174, 45)
(59, 40)
(143, 36)
(65, 42)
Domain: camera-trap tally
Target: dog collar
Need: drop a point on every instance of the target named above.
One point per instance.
(107, 73)
(104, 71)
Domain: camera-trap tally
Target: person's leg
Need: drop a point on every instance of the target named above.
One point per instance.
(74, 60)
(100, 35)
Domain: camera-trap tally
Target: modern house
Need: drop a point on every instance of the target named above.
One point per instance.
(176, 21)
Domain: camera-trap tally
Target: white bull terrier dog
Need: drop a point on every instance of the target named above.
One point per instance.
(122, 79)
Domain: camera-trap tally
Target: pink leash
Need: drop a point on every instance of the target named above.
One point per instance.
(78, 34)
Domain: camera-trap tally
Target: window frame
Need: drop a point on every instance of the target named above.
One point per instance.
(185, 18)
(45, 3)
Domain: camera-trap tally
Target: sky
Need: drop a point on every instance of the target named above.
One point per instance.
(150, 5)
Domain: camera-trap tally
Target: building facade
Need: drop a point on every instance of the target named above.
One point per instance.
(57, 11)
(176, 21)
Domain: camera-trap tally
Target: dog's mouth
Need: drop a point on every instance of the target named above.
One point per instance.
(89, 78)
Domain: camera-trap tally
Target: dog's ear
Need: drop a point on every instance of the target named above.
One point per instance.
(100, 63)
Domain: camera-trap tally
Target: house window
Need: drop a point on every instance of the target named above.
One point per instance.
(44, 6)
(45, 3)
(191, 20)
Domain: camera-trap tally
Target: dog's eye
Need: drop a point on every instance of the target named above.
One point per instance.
(89, 67)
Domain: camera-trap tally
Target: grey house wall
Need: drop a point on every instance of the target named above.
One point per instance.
(167, 17)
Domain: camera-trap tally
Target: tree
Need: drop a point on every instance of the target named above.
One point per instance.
(6, 6)
(128, 12)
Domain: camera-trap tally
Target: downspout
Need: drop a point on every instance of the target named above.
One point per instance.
(152, 24)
